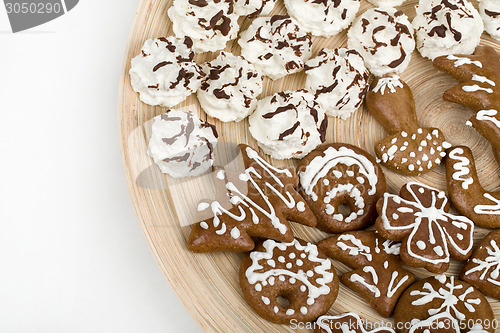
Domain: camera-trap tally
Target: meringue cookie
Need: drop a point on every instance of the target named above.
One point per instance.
(275, 45)
(384, 38)
(253, 8)
(490, 13)
(445, 27)
(181, 144)
(210, 23)
(229, 91)
(386, 3)
(339, 80)
(324, 17)
(165, 73)
(288, 124)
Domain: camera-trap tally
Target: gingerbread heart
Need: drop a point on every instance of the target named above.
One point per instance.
(466, 192)
(378, 275)
(259, 202)
(430, 235)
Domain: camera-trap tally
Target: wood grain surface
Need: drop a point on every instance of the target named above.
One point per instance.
(207, 283)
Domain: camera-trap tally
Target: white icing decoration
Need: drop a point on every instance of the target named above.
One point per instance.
(483, 79)
(321, 269)
(301, 206)
(462, 172)
(388, 82)
(320, 166)
(235, 233)
(446, 293)
(431, 216)
(488, 115)
(358, 247)
(489, 266)
(493, 209)
(477, 88)
(358, 324)
(464, 61)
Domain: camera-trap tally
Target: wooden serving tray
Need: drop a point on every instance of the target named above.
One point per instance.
(208, 283)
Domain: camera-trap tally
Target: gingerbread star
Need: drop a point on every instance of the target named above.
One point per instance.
(479, 88)
(257, 202)
(377, 276)
(430, 235)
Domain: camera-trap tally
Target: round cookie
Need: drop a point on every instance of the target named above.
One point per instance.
(325, 17)
(253, 8)
(443, 304)
(384, 38)
(210, 23)
(336, 175)
(446, 27)
(286, 282)
(288, 124)
(339, 80)
(276, 46)
(181, 144)
(490, 13)
(230, 88)
(386, 3)
(164, 73)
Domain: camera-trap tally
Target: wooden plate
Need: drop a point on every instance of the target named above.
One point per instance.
(207, 283)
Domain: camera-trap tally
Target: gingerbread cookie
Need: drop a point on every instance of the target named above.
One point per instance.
(410, 149)
(209, 23)
(419, 217)
(286, 282)
(337, 176)
(259, 202)
(346, 323)
(165, 73)
(377, 274)
(384, 38)
(443, 304)
(445, 27)
(466, 192)
(482, 270)
(479, 88)
(276, 46)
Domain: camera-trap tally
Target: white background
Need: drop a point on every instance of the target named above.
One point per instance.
(72, 255)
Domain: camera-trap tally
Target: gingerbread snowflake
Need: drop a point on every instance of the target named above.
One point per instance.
(419, 217)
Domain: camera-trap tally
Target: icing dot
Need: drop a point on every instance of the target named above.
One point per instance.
(310, 273)
(281, 278)
(265, 300)
(326, 182)
(289, 265)
(439, 250)
(420, 148)
(442, 154)
(301, 206)
(276, 309)
(412, 154)
(290, 312)
(271, 281)
(437, 161)
(202, 206)
(310, 301)
(360, 180)
(271, 263)
(403, 148)
(292, 280)
(258, 287)
(204, 225)
(419, 131)
(299, 262)
(419, 162)
(425, 157)
(393, 141)
(395, 216)
(411, 167)
(386, 264)
(421, 190)
(303, 310)
(235, 233)
(292, 255)
(281, 259)
(421, 245)
(404, 134)
(460, 236)
(302, 255)
(303, 288)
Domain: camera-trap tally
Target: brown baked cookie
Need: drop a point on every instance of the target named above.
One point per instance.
(466, 192)
(479, 88)
(377, 276)
(410, 149)
(341, 183)
(288, 281)
(346, 323)
(482, 270)
(443, 304)
(257, 202)
(419, 218)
